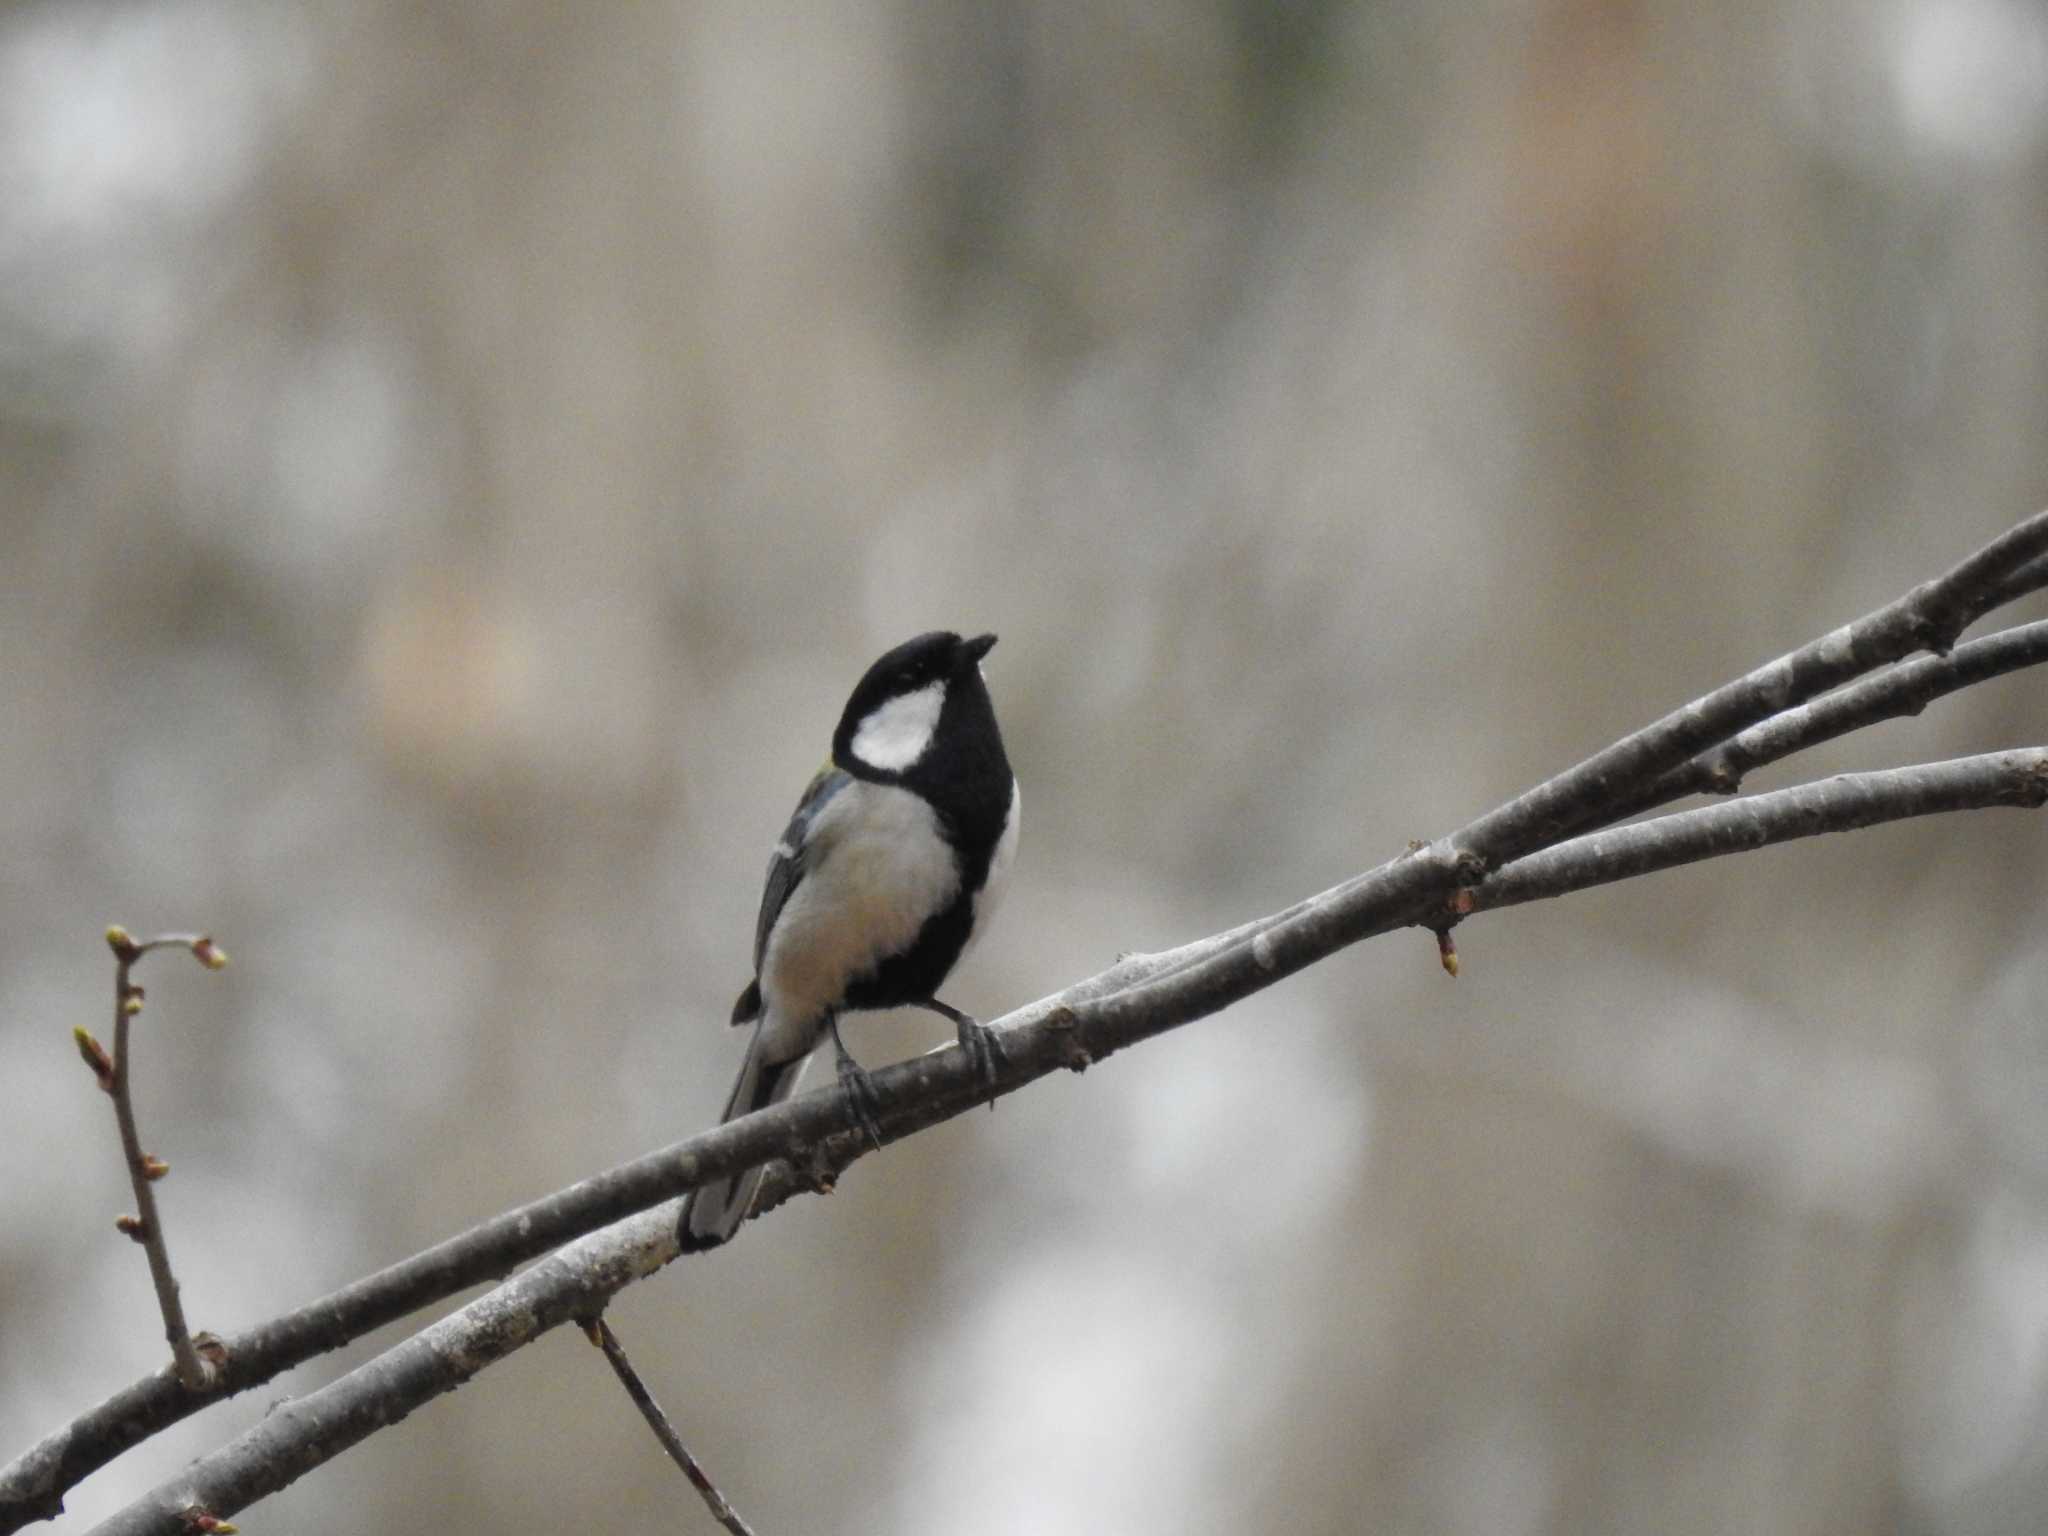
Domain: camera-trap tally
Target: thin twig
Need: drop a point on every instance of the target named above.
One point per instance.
(1849, 800)
(1610, 784)
(575, 1282)
(1929, 617)
(2018, 583)
(600, 1333)
(147, 1228)
(1596, 789)
(1904, 690)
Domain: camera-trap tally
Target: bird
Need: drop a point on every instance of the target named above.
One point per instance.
(887, 874)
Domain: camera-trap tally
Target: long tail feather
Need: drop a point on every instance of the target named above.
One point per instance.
(714, 1211)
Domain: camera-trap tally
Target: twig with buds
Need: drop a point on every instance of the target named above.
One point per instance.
(146, 1225)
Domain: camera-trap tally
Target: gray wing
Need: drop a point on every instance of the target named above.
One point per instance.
(786, 869)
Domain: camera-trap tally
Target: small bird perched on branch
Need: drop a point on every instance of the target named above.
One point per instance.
(887, 872)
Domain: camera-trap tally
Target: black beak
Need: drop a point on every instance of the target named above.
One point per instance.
(973, 650)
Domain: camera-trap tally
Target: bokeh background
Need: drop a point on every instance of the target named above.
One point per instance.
(454, 460)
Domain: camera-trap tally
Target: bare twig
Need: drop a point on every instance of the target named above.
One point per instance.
(1422, 886)
(1929, 617)
(600, 1333)
(818, 1129)
(2018, 778)
(1904, 690)
(2021, 582)
(1611, 784)
(147, 1227)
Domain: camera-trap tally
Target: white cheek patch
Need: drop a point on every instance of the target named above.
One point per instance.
(896, 735)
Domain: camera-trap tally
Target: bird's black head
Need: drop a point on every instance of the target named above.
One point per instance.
(918, 706)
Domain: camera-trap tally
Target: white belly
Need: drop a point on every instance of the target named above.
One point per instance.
(879, 868)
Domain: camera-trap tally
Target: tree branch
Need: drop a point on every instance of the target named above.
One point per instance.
(1616, 782)
(33, 1485)
(301, 1433)
(1126, 1002)
(1929, 617)
(820, 1131)
(2018, 778)
(2017, 583)
(1905, 690)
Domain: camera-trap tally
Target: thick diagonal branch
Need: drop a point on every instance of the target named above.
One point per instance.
(1406, 890)
(818, 1133)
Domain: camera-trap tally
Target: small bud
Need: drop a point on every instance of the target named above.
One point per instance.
(153, 1167)
(208, 953)
(132, 1004)
(198, 1519)
(122, 942)
(1447, 952)
(95, 1056)
(130, 1226)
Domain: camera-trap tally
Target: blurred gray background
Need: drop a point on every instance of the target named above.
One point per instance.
(454, 461)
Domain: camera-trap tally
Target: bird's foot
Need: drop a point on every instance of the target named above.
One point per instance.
(861, 1098)
(985, 1051)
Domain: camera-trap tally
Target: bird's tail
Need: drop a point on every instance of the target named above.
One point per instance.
(713, 1212)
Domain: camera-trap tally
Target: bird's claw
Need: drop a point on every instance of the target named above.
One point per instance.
(984, 1052)
(861, 1099)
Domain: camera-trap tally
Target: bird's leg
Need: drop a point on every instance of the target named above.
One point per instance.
(853, 1078)
(983, 1049)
